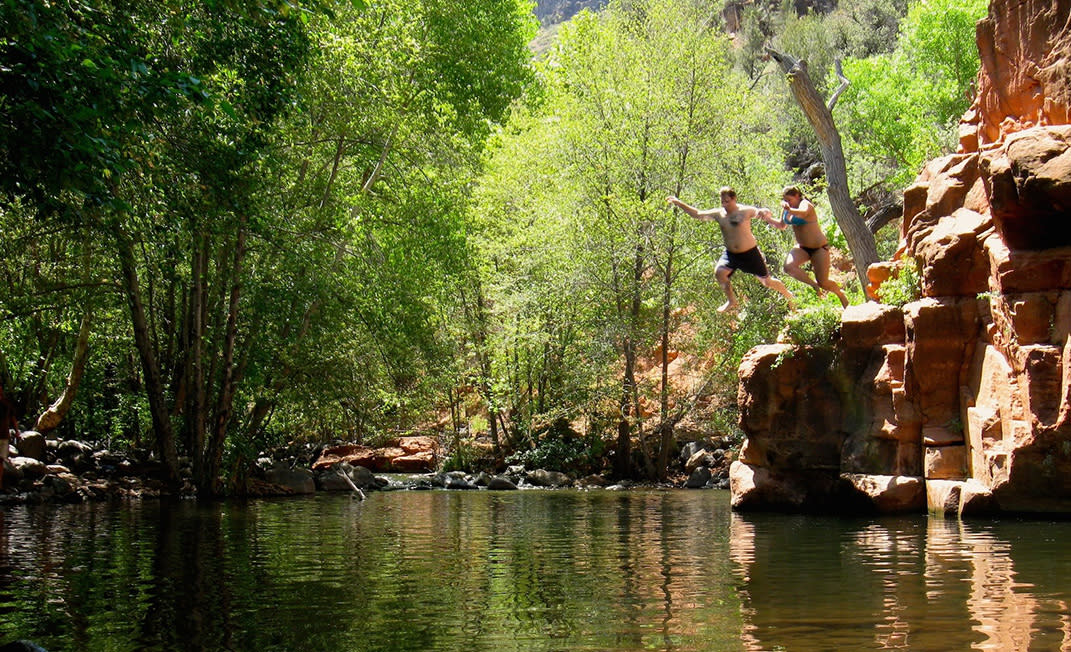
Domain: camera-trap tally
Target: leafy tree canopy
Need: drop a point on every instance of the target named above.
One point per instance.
(902, 107)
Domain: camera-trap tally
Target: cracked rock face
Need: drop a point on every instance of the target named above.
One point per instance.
(1028, 182)
(1025, 77)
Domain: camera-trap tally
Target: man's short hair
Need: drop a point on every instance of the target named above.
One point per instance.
(727, 191)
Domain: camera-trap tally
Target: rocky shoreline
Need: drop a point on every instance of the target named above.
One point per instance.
(40, 470)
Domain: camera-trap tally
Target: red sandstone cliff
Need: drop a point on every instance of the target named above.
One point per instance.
(960, 401)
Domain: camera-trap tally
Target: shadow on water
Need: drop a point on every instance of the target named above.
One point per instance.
(530, 570)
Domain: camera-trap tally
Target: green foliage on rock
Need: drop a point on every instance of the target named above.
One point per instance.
(904, 287)
(814, 325)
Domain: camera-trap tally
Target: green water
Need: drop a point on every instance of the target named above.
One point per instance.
(529, 570)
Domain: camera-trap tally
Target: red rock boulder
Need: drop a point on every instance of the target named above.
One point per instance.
(1028, 181)
(405, 455)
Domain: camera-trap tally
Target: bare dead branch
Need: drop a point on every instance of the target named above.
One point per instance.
(818, 114)
(840, 89)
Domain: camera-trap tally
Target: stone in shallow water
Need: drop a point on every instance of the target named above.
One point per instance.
(28, 467)
(32, 444)
(544, 478)
(459, 483)
(755, 487)
(299, 481)
(890, 494)
(499, 483)
(698, 479)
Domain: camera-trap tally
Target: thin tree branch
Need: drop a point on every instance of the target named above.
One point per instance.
(787, 61)
(374, 176)
(840, 89)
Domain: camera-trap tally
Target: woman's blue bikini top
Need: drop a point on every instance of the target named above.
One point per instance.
(791, 220)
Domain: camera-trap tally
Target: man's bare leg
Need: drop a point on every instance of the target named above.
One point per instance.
(723, 274)
(820, 265)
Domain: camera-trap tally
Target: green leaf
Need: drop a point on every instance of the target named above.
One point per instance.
(228, 109)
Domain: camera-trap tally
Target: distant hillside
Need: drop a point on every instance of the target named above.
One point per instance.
(552, 12)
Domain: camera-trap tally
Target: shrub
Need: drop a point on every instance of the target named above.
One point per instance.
(813, 326)
(467, 456)
(560, 448)
(905, 287)
(553, 455)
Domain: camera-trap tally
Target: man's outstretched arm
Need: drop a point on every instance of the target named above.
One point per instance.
(692, 210)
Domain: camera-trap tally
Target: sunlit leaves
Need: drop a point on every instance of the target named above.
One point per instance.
(901, 107)
(380, 160)
(639, 102)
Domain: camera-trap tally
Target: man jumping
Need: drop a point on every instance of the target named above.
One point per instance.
(741, 247)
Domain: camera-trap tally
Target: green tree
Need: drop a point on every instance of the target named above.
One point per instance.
(902, 107)
(382, 159)
(95, 92)
(639, 103)
(277, 195)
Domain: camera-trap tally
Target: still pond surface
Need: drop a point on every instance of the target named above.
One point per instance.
(528, 570)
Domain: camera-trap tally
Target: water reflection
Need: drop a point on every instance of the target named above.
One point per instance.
(901, 583)
(523, 571)
(412, 571)
(1010, 609)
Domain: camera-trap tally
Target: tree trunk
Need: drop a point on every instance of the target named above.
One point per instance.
(623, 451)
(860, 239)
(629, 399)
(224, 410)
(53, 416)
(666, 429)
(154, 386)
(195, 367)
(478, 318)
(263, 403)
